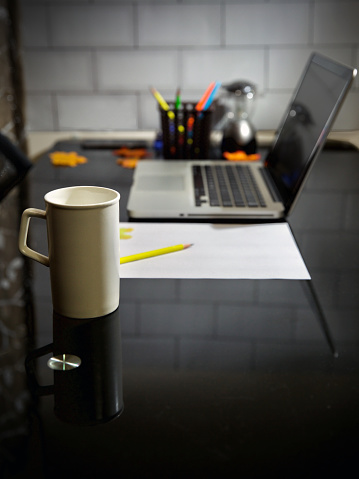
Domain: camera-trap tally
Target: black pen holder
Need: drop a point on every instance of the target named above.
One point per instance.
(185, 132)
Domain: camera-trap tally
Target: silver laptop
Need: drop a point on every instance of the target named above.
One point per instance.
(264, 190)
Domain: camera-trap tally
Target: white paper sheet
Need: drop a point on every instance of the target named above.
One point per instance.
(260, 251)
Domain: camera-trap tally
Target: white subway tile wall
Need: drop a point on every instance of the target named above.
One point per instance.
(97, 112)
(179, 25)
(93, 26)
(88, 64)
(267, 24)
(58, 71)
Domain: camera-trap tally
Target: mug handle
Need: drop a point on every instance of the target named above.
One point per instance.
(24, 228)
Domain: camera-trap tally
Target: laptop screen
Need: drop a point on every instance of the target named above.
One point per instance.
(307, 123)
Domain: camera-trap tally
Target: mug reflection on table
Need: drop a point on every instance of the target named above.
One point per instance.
(86, 358)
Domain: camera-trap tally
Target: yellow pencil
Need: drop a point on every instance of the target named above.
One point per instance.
(164, 105)
(155, 252)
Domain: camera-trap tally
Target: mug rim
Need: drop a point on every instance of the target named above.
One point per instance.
(50, 197)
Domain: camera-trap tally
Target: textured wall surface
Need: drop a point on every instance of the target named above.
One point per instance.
(89, 63)
(15, 323)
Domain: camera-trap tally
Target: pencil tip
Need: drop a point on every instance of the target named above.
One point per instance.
(185, 246)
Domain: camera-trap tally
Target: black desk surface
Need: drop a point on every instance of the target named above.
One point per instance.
(232, 378)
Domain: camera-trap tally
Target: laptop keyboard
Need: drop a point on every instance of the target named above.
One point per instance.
(226, 185)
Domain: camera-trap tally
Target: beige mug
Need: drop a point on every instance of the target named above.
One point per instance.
(83, 248)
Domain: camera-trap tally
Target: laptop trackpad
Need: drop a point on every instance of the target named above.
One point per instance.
(161, 183)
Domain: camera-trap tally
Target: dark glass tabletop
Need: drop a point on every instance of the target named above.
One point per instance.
(235, 378)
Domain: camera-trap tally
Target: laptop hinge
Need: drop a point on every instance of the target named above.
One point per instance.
(271, 186)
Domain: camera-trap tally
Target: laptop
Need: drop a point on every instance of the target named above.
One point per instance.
(259, 190)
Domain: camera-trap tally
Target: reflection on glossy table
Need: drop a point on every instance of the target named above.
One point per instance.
(233, 378)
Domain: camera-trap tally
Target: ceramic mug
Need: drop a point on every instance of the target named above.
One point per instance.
(83, 247)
